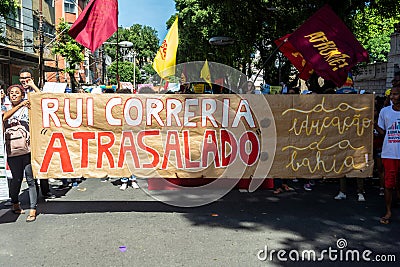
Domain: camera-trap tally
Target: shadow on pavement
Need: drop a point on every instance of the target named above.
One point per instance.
(304, 218)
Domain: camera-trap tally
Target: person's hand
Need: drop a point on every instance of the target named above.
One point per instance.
(25, 103)
(29, 82)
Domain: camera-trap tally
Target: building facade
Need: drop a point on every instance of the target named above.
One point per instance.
(22, 40)
(67, 10)
(21, 34)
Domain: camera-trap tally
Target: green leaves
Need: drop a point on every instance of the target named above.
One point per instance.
(125, 71)
(373, 30)
(66, 46)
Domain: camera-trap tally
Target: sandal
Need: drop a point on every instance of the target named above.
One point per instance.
(287, 188)
(384, 220)
(278, 191)
(32, 216)
(16, 209)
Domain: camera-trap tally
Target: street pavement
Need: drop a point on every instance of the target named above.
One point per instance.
(97, 224)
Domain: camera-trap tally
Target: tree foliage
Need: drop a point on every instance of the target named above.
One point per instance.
(6, 7)
(125, 71)
(373, 30)
(255, 24)
(145, 44)
(144, 39)
(68, 48)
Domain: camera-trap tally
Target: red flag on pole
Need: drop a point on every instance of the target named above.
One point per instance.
(296, 58)
(328, 45)
(97, 22)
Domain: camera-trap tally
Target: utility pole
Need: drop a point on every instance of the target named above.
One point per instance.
(103, 65)
(41, 43)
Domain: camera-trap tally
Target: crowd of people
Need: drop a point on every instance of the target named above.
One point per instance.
(15, 107)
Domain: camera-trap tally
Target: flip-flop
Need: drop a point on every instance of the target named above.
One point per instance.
(278, 191)
(30, 218)
(384, 220)
(287, 188)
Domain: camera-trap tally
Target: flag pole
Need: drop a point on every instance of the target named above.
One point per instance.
(117, 75)
(270, 56)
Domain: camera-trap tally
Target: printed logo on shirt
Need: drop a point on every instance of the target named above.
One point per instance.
(393, 132)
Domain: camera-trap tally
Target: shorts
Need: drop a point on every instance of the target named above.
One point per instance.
(392, 168)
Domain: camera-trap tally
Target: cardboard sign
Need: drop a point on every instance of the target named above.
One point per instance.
(201, 136)
(3, 175)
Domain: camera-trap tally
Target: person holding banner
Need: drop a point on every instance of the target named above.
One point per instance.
(18, 114)
(27, 81)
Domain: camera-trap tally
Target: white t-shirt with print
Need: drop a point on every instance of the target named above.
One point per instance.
(389, 120)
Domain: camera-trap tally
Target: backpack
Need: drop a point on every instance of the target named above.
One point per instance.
(17, 139)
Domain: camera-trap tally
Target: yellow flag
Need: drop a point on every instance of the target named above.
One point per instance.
(165, 60)
(205, 73)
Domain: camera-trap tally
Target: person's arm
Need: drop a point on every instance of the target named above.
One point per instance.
(33, 85)
(14, 109)
(380, 130)
(380, 126)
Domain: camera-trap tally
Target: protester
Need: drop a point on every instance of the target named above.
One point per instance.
(250, 89)
(389, 119)
(281, 186)
(124, 182)
(4, 103)
(27, 81)
(21, 163)
(3, 96)
(343, 188)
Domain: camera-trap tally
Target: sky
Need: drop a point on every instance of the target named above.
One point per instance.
(153, 13)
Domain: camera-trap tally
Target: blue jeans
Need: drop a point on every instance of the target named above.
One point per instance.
(19, 165)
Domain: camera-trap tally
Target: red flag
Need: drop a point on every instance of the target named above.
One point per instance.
(97, 22)
(328, 45)
(296, 58)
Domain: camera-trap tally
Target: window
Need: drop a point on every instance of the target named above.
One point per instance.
(70, 6)
(14, 20)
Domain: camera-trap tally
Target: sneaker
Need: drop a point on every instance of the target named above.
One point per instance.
(381, 191)
(104, 180)
(62, 187)
(8, 203)
(295, 180)
(340, 196)
(51, 180)
(312, 182)
(49, 196)
(307, 187)
(361, 197)
(124, 186)
(135, 185)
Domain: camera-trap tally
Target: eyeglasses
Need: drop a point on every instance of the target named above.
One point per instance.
(24, 78)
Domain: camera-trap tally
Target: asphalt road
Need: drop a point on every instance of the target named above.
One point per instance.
(96, 224)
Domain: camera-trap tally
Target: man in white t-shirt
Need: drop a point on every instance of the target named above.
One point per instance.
(389, 125)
